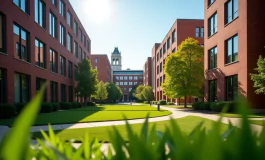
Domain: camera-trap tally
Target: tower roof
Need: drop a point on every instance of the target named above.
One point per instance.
(116, 51)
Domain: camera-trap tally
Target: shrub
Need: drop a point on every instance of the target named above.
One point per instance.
(205, 106)
(196, 105)
(80, 105)
(154, 102)
(146, 102)
(65, 105)
(46, 107)
(7, 111)
(75, 104)
(55, 106)
(170, 103)
(19, 106)
(219, 106)
(163, 102)
(91, 104)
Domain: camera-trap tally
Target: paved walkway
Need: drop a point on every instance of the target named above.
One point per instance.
(176, 113)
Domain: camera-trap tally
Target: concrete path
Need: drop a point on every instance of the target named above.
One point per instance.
(176, 113)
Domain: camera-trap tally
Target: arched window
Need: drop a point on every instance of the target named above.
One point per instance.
(117, 62)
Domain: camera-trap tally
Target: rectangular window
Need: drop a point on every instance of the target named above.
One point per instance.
(117, 78)
(161, 81)
(125, 83)
(160, 53)
(40, 56)
(212, 91)
(54, 2)
(125, 78)
(70, 70)
(63, 93)
(75, 49)
(53, 25)
(141, 77)
(84, 41)
(63, 66)
(69, 19)
(231, 49)
(23, 5)
(231, 87)
(174, 50)
(54, 91)
(39, 83)
(130, 83)
(80, 53)
(96, 67)
(2, 33)
(197, 32)
(135, 77)
(80, 36)
(130, 89)
(210, 2)
(21, 39)
(69, 41)
(202, 32)
(212, 55)
(121, 83)
(168, 43)
(212, 24)
(70, 94)
(22, 88)
(53, 61)
(174, 36)
(231, 10)
(75, 28)
(62, 8)
(164, 48)
(117, 83)
(121, 77)
(135, 83)
(62, 35)
(3, 91)
(96, 60)
(76, 72)
(130, 78)
(84, 55)
(160, 67)
(40, 13)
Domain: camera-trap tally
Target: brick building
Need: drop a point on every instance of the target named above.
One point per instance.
(181, 29)
(147, 75)
(40, 41)
(102, 64)
(234, 39)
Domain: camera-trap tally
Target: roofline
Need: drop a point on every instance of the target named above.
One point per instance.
(190, 19)
(99, 55)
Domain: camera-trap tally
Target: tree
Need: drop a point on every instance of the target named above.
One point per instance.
(114, 92)
(132, 92)
(259, 78)
(86, 80)
(138, 93)
(101, 93)
(184, 71)
(147, 93)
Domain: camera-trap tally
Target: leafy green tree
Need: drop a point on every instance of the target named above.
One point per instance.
(86, 80)
(101, 93)
(147, 93)
(184, 71)
(132, 92)
(259, 78)
(138, 92)
(114, 92)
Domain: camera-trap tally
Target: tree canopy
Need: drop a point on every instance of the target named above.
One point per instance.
(114, 92)
(259, 77)
(184, 71)
(101, 93)
(138, 92)
(147, 93)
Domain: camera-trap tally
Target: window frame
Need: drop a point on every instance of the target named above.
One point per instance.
(232, 47)
(20, 87)
(62, 66)
(54, 67)
(212, 92)
(214, 29)
(3, 85)
(38, 63)
(233, 12)
(20, 44)
(62, 8)
(70, 69)
(52, 25)
(215, 58)
(53, 87)
(69, 43)
(234, 85)
(27, 9)
(62, 35)
(40, 15)
(3, 32)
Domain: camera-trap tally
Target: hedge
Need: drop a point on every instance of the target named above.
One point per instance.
(91, 104)
(65, 105)
(205, 106)
(55, 106)
(220, 106)
(170, 103)
(154, 102)
(163, 102)
(19, 106)
(196, 106)
(7, 111)
(46, 108)
(146, 102)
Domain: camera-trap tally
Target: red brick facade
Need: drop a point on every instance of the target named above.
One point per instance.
(147, 76)
(102, 64)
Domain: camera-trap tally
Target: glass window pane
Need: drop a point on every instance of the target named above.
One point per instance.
(235, 8)
(17, 88)
(235, 48)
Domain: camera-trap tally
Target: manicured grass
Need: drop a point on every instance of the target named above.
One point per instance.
(257, 122)
(178, 107)
(186, 124)
(234, 115)
(95, 114)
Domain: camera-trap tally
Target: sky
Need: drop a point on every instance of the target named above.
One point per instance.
(134, 26)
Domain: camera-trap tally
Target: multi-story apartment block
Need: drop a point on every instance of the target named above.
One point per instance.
(101, 63)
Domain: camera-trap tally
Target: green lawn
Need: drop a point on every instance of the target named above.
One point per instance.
(177, 106)
(94, 114)
(186, 124)
(234, 115)
(257, 122)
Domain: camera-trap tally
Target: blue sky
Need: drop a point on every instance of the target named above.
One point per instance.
(132, 25)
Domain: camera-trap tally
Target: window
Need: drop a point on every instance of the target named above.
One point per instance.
(157, 82)
(164, 48)
(117, 83)
(63, 93)
(96, 60)
(39, 83)
(212, 91)
(210, 2)
(130, 78)
(130, 89)
(54, 2)
(2, 33)
(174, 36)
(160, 53)
(22, 88)
(80, 53)
(69, 41)
(202, 32)
(135, 83)
(212, 55)
(80, 36)
(160, 67)
(23, 5)
(121, 77)
(62, 8)
(141, 77)
(75, 49)
(130, 83)
(69, 19)
(174, 50)
(96, 67)
(63, 66)
(84, 39)
(117, 78)
(40, 56)
(62, 35)
(40, 13)
(160, 81)
(22, 43)
(75, 28)
(168, 43)
(70, 70)
(53, 61)
(121, 83)
(76, 72)
(54, 91)
(53, 23)
(197, 32)
(84, 55)
(231, 49)
(3, 91)
(135, 77)
(231, 87)
(125, 78)
(125, 83)
(231, 10)
(124, 89)
(212, 24)
(70, 94)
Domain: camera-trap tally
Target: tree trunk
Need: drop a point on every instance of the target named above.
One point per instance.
(179, 101)
(185, 102)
